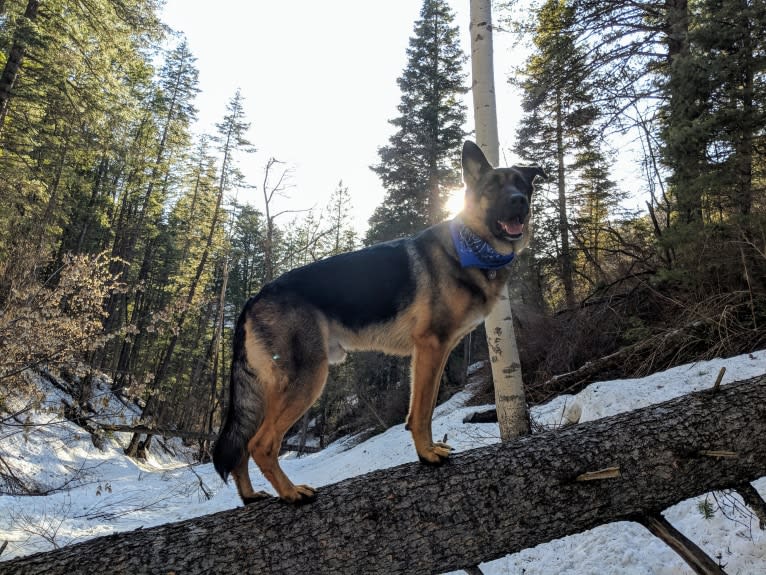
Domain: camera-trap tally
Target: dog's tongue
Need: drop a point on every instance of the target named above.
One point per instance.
(512, 228)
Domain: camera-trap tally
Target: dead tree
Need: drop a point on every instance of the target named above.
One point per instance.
(418, 519)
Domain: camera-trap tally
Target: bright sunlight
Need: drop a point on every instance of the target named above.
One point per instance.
(454, 203)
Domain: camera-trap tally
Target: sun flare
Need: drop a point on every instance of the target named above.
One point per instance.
(455, 202)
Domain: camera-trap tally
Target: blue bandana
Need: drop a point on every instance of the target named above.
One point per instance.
(473, 251)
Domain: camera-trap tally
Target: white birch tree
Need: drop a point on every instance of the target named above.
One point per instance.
(511, 405)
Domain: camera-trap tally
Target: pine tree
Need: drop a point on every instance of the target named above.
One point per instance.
(692, 75)
(230, 140)
(22, 36)
(712, 125)
(557, 131)
(421, 161)
(596, 200)
(729, 43)
(141, 217)
(342, 236)
(682, 117)
(70, 78)
(418, 167)
(248, 254)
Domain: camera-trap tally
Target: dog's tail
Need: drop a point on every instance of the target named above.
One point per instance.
(245, 412)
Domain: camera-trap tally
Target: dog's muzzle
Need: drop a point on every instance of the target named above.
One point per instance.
(511, 222)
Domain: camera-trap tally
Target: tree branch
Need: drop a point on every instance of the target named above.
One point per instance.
(695, 557)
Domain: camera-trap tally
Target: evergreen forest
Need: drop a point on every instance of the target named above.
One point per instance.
(124, 249)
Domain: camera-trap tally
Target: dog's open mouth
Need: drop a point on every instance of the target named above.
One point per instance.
(514, 230)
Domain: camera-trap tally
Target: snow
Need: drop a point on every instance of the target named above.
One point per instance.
(104, 492)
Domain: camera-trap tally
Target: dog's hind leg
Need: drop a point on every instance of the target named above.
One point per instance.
(245, 489)
(283, 409)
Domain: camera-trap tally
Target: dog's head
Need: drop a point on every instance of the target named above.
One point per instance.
(498, 200)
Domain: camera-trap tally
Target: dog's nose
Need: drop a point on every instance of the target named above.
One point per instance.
(519, 203)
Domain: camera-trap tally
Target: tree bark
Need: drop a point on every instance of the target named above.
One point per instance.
(418, 519)
(567, 269)
(15, 58)
(510, 400)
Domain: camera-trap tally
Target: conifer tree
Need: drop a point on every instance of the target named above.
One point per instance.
(694, 70)
(141, 216)
(15, 56)
(712, 120)
(342, 237)
(685, 90)
(557, 131)
(596, 201)
(70, 75)
(248, 240)
(421, 161)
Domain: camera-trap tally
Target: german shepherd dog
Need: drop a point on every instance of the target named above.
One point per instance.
(413, 297)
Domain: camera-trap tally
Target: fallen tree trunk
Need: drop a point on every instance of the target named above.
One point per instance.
(164, 432)
(184, 434)
(481, 505)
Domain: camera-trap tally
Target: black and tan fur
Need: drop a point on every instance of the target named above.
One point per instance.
(408, 297)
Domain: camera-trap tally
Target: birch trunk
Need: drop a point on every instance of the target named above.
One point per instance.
(512, 415)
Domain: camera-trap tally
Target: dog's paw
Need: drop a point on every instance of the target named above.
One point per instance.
(301, 495)
(435, 454)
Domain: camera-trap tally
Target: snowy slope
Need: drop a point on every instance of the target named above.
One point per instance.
(109, 492)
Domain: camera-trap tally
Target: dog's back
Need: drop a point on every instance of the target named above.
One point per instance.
(355, 289)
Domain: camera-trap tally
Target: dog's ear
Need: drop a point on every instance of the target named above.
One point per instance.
(474, 164)
(529, 173)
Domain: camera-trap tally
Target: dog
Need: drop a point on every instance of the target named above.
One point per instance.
(414, 296)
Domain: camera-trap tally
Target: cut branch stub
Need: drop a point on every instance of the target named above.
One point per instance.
(607, 473)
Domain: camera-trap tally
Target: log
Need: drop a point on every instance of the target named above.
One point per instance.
(164, 432)
(481, 505)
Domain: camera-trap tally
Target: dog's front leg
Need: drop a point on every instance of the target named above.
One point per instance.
(428, 362)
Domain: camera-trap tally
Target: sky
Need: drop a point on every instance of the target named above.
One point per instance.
(319, 82)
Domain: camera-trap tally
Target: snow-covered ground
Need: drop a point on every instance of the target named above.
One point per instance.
(109, 492)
